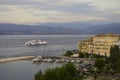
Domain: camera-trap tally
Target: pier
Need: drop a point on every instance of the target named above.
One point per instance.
(44, 59)
(2, 60)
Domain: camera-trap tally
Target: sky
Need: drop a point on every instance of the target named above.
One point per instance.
(59, 11)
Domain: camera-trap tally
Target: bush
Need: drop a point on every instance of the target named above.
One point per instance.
(38, 75)
(68, 53)
(66, 72)
(81, 55)
(99, 63)
(114, 56)
(71, 69)
(88, 55)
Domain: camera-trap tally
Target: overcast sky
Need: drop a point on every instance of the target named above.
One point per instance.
(42, 11)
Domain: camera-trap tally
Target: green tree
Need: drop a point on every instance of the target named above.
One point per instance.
(118, 66)
(81, 55)
(99, 63)
(71, 69)
(114, 56)
(68, 53)
(56, 74)
(38, 75)
(66, 72)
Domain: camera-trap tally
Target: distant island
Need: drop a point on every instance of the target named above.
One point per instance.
(58, 29)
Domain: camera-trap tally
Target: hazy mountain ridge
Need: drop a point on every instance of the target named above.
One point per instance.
(107, 28)
(34, 29)
(12, 29)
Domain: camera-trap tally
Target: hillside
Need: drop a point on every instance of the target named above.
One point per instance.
(107, 28)
(14, 29)
(17, 29)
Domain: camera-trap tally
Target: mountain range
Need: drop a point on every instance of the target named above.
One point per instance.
(59, 28)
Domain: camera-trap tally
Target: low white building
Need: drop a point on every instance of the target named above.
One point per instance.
(75, 55)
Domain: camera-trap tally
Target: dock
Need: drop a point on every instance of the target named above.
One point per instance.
(2, 60)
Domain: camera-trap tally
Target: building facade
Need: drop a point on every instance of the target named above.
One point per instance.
(98, 44)
(117, 43)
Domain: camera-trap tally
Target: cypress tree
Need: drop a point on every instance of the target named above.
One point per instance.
(114, 56)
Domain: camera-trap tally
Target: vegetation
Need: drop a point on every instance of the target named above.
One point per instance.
(38, 75)
(102, 65)
(99, 64)
(66, 72)
(111, 64)
(81, 55)
(88, 55)
(115, 58)
(68, 53)
(118, 65)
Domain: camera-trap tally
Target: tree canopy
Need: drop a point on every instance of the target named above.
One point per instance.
(99, 64)
(66, 72)
(68, 53)
(114, 56)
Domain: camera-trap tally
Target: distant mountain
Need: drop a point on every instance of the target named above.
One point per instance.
(11, 29)
(59, 28)
(72, 25)
(106, 28)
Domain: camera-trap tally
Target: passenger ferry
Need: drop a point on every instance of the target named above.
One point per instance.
(35, 43)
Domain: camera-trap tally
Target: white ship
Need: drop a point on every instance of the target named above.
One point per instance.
(35, 43)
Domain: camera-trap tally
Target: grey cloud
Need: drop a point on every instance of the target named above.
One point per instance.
(26, 2)
(79, 8)
(113, 17)
(16, 2)
(4, 9)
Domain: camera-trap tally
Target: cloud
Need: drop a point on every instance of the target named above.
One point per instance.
(106, 4)
(63, 5)
(39, 11)
(24, 15)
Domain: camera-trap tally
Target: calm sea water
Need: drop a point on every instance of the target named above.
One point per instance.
(13, 45)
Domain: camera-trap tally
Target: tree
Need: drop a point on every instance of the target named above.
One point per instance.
(118, 66)
(68, 53)
(71, 69)
(66, 72)
(38, 75)
(114, 56)
(99, 64)
(81, 55)
(56, 74)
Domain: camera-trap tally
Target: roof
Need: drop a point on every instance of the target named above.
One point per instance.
(108, 35)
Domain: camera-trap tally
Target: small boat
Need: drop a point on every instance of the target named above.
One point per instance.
(62, 60)
(57, 60)
(50, 60)
(67, 60)
(37, 59)
(45, 60)
(72, 61)
(35, 43)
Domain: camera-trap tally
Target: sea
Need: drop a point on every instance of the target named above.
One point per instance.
(13, 46)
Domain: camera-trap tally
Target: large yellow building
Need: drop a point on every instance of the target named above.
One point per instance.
(99, 44)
